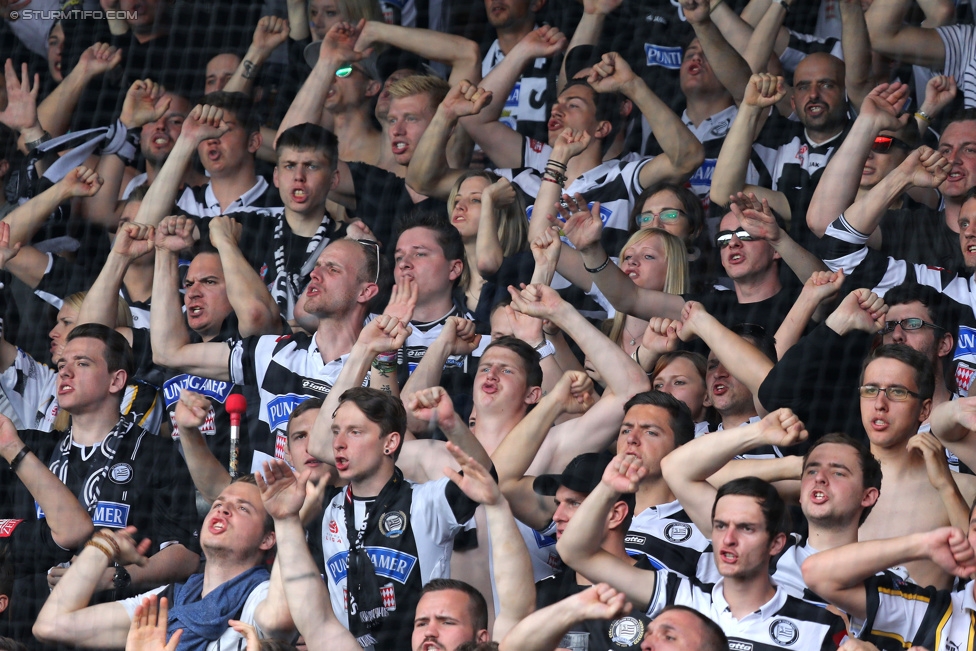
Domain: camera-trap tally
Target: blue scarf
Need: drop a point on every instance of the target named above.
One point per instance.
(204, 620)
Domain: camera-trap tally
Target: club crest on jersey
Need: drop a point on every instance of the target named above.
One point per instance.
(393, 524)
(389, 563)
(783, 632)
(626, 631)
(660, 55)
(120, 473)
(678, 532)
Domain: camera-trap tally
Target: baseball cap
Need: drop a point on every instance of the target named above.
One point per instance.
(582, 475)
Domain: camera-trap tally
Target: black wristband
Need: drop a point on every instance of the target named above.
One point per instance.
(597, 270)
(24, 451)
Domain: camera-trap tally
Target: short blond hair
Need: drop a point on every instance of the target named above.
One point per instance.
(434, 87)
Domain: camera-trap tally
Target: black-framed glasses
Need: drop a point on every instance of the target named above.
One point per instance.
(667, 215)
(913, 323)
(724, 238)
(344, 71)
(883, 144)
(895, 394)
(375, 245)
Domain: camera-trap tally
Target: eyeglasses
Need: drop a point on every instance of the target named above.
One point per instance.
(913, 323)
(666, 215)
(724, 238)
(344, 71)
(376, 245)
(882, 144)
(896, 394)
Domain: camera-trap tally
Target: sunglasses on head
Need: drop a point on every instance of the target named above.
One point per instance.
(724, 238)
(883, 144)
(373, 244)
(344, 71)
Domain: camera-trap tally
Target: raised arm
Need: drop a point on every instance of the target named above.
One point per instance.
(683, 152)
(502, 144)
(768, 39)
(269, 33)
(168, 333)
(488, 249)
(588, 30)
(841, 178)
(203, 123)
(209, 476)
(838, 575)
(257, 313)
(55, 112)
(101, 303)
(306, 594)
(461, 54)
(941, 477)
(730, 68)
(687, 469)
(817, 290)
(511, 565)
(893, 37)
(457, 337)
(70, 524)
(857, 51)
(954, 423)
(434, 405)
(579, 546)
(569, 144)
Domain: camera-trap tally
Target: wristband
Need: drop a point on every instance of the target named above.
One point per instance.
(783, 4)
(556, 164)
(100, 547)
(108, 539)
(32, 145)
(24, 451)
(387, 358)
(597, 270)
(922, 115)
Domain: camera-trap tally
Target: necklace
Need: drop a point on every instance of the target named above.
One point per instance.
(633, 339)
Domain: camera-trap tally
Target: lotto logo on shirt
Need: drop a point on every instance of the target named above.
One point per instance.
(213, 389)
(389, 563)
(666, 57)
(280, 408)
(111, 514)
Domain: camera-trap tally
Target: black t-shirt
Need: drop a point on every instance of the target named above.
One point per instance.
(769, 313)
(920, 235)
(515, 269)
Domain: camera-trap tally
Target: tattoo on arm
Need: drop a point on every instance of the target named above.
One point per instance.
(249, 69)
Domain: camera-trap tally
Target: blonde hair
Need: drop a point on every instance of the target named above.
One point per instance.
(675, 279)
(355, 10)
(435, 88)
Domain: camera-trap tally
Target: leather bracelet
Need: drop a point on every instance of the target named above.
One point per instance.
(597, 270)
(24, 451)
(922, 115)
(32, 145)
(102, 548)
(101, 535)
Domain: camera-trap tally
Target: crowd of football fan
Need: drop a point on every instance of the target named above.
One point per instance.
(420, 325)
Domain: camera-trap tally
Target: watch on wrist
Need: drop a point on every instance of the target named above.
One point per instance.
(122, 578)
(545, 349)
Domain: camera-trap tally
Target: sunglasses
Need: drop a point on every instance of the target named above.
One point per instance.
(344, 71)
(724, 238)
(913, 323)
(376, 245)
(666, 215)
(895, 394)
(883, 144)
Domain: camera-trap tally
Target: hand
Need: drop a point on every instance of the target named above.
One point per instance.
(949, 548)
(755, 217)
(501, 193)
(225, 231)
(459, 335)
(432, 405)
(525, 327)
(601, 6)
(624, 474)
(540, 301)
(21, 111)
(476, 482)
(546, 249)
(148, 629)
(599, 601)
(383, 334)
(80, 182)
(130, 553)
(964, 412)
(465, 99)
(661, 335)
(8, 7)
(611, 75)
(862, 309)
(175, 233)
(883, 106)
(822, 285)
(573, 392)
(99, 59)
(782, 428)
(270, 32)
(358, 230)
(936, 462)
(191, 410)
(691, 315)
(144, 103)
(133, 240)
(696, 11)
(926, 168)
(282, 490)
(764, 90)
(204, 122)
(339, 45)
(7, 252)
(543, 42)
(584, 225)
(10, 440)
(403, 300)
(570, 143)
(939, 93)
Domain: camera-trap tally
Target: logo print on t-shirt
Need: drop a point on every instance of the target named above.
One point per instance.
(626, 631)
(783, 632)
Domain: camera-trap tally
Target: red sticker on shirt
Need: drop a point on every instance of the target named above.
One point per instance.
(7, 527)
